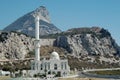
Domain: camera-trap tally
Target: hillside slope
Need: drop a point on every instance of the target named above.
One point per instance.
(90, 44)
(26, 23)
(81, 46)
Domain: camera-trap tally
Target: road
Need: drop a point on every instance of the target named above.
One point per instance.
(85, 73)
(87, 70)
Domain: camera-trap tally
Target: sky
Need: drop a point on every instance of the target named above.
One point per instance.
(66, 14)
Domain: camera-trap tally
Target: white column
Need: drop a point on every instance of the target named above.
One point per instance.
(37, 27)
(37, 41)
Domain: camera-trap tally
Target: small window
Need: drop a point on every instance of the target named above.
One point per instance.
(62, 65)
(41, 66)
(33, 66)
(37, 66)
(55, 66)
(48, 65)
(45, 65)
(65, 65)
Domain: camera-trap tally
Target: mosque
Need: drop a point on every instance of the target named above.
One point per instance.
(52, 66)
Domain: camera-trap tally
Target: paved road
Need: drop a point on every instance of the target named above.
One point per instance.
(85, 73)
(87, 70)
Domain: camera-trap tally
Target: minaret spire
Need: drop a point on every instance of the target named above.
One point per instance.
(37, 40)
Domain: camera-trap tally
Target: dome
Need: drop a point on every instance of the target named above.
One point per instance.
(55, 55)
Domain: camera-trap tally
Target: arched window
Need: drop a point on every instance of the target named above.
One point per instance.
(33, 66)
(65, 65)
(48, 65)
(55, 66)
(41, 66)
(37, 66)
(45, 66)
(61, 65)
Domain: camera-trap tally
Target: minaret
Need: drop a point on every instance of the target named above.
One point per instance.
(37, 40)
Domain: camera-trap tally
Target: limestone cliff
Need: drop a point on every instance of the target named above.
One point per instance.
(14, 45)
(82, 46)
(89, 43)
(17, 46)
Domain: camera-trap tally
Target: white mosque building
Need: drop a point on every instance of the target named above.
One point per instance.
(53, 65)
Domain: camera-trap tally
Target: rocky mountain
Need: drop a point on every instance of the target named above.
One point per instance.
(26, 23)
(82, 46)
(14, 46)
(18, 46)
(88, 41)
(90, 44)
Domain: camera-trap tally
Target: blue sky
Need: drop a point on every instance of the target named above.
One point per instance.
(66, 14)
